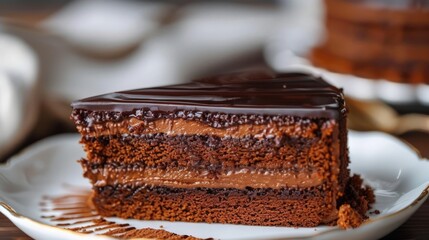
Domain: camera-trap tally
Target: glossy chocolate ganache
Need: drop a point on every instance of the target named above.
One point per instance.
(245, 95)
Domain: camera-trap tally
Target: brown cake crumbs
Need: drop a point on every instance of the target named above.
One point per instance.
(358, 196)
(355, 203)
(349, 217)
(375, 212)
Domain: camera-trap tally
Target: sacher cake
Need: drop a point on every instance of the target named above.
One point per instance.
(245, 148)
(376, 39)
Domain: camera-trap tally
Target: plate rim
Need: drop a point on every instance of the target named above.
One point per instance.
(51, 139)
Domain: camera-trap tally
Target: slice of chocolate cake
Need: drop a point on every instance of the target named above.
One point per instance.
(257, 149)
(376, 39)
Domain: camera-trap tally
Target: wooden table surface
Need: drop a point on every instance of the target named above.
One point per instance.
(417, 227)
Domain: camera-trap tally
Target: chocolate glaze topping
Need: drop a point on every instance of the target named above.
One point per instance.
(257, 93)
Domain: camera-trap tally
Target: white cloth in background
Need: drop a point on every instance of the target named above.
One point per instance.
(105, 26)
(18, 101)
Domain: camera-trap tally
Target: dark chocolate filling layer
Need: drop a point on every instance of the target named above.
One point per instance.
(249, 192)
(86, 118)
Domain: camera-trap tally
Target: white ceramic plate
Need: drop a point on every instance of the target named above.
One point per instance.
(396, 172)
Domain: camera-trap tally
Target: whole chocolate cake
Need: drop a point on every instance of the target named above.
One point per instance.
(246, 148)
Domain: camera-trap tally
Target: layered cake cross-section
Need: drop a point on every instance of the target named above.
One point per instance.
(245, 148)
(376, 39)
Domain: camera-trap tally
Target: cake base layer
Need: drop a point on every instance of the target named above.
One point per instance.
(264, 207)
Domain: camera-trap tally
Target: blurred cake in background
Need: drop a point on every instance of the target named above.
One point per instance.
(377, 39)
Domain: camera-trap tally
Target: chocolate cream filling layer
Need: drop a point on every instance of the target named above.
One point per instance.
(183, 178)
(190, 127)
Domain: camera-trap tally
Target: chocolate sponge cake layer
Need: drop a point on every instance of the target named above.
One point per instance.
(265, 149)
(296, 136)
(268, 207)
